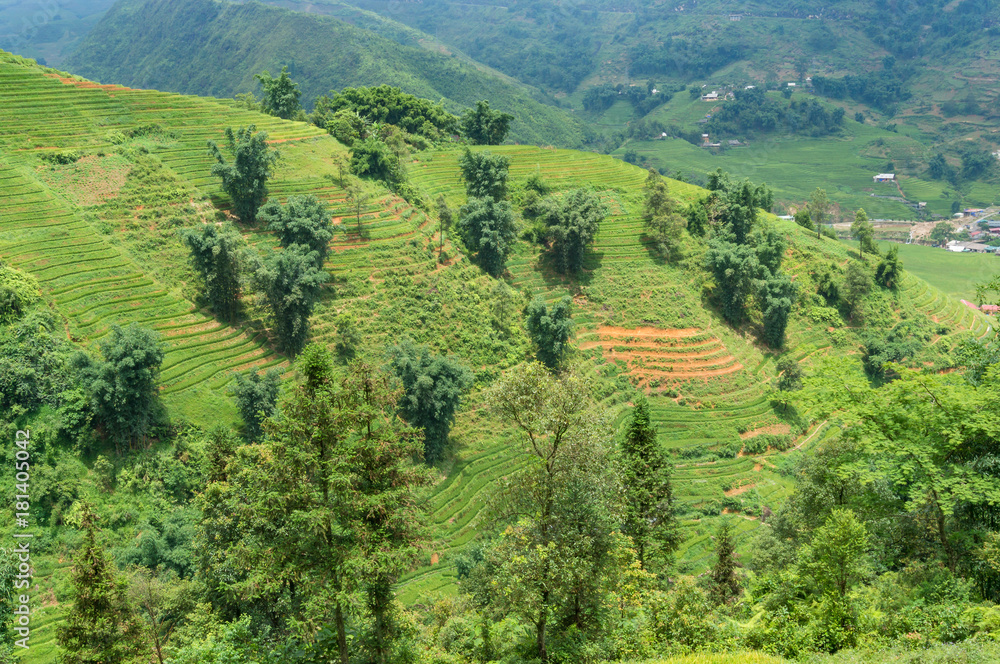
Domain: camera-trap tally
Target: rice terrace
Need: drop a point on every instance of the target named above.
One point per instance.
(372, 383)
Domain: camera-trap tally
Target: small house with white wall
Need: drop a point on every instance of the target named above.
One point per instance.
(884, 177)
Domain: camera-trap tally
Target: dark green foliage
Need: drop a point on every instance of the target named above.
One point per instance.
(432, 391)
(827, 278)
(725, 584)
(697, 219)
(373, 158)
(977, 163)
(573, 220)
(664, 224)
(124, 384)
(686, 58)
(281, 95)
(901, 342)
(778, 295)
(753, 112)
(890, 269)
(883, 88)
(485, 174)
(649, 512)
(857, 284)
(18, 291)
(245, 178)
(550, 329)
(101, 625)
(290, 282)
(389, 105)
(61, 158)
(789, 375)
(302, 220)
(256, 397)
(485, 126)
(939, 169)
(348, 337)
(215, 255)
(736, 270)
(487, 228)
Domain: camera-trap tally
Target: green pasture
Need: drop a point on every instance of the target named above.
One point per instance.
(957, 274)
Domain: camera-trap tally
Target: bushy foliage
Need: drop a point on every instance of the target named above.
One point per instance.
(302, 220)
(550, 329)
(281, 95)
(372, 158)
(256, 397)
(573, 220)
(432, 391)
(486, 126)
(386, 104)
(215, 255)
(290, 283)
(18, 291)
(124, 385)
(245, 178)
(752, 112)
(487, 229)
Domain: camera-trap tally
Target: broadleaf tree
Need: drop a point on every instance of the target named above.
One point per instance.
(245, 178)
(432, 391)
(215, 254)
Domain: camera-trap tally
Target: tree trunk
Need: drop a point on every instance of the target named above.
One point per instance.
(540, 636)
(338, 617)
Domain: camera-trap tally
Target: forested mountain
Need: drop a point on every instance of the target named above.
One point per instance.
(216, 48)
(47, 31)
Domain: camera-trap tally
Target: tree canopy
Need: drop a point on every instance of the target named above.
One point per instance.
(281, 95)
(390, 105)
(245, 178)
(485, 126)
(550, 328)
(291, 282)
(215, 254)
(432, 391)
(302, 220)
(573, 221)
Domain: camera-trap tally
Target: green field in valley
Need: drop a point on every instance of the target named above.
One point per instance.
(795, 166)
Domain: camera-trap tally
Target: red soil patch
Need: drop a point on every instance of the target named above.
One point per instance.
(740, 489)
(611, 332)
(646, 361)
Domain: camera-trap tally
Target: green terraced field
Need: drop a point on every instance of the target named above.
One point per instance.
(100, 235)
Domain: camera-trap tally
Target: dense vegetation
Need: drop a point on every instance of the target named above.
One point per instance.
(717, 390)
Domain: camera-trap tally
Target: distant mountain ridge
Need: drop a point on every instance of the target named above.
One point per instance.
(208, 47)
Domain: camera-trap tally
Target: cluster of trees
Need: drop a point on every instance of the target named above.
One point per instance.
(752, 111)
(687, 59)
(884, 88)
(290, 280)
(977, 163)
(486, 221)
(664, 221)
(383, 104)
(643, 99)
(744, 257)
(107, 401)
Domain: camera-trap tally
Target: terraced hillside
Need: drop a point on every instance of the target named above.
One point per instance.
(100, 233)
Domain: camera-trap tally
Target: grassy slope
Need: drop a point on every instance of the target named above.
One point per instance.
(107, 255)
(147, 43)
